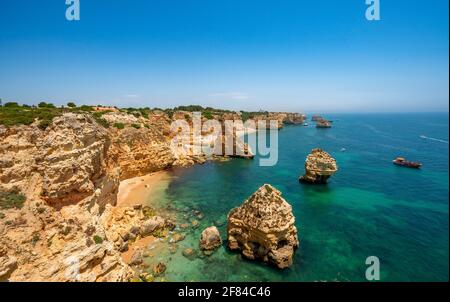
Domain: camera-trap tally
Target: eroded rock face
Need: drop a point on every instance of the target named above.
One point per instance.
(319, 166)
(263, 228)
(210, 239)
(64, 231)
(140, 151)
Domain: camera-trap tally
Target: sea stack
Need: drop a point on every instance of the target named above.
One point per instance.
(319, 166)
(262, 228)
(210, 240)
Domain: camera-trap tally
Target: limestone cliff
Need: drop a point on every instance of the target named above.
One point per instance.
(61, 230)
(263, 228)
(140, 151)
(319, 166)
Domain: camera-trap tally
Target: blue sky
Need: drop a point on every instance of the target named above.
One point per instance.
(295, 55)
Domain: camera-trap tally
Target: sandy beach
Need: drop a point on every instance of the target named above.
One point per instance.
(140, 190)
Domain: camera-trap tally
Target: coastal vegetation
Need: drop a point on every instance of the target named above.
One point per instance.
(119, 126)
(14, 114)
(11, 199)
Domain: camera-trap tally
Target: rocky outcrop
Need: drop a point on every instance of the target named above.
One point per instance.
(210, 240)
(140, 151)
(294, 118)
(319, 166)
(323, 123)
(68, 228)
(263, 228)
(124, 224)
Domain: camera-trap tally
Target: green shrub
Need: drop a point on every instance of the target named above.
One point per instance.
(2, 215)
(71, 105)
(119, 125)
(43, 124)
(208, 115)
(136, 126)
(86, 108)
(11, 199)
(11, 105)
(100, 120)
(46, 105)
(35, 238)
(98, 239)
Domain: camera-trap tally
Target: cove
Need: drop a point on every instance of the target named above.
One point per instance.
(369, 207)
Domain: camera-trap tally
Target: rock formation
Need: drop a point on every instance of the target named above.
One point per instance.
(140, 151)
(210, 240)
(323, 123)
(319, 166)
(67, 229)
(263, 228)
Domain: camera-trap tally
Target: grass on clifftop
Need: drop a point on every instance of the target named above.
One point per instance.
(24, 115)
(11, 199)
(12, 114)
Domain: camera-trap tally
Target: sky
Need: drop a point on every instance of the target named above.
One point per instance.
(285, 55)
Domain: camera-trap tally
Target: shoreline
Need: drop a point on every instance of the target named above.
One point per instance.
(139, 190)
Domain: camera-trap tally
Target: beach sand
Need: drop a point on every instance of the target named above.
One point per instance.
(140, 244)
(141, 190)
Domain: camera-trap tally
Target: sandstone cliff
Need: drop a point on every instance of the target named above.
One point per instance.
(68, 228)
(319, 166)
(140, 151)
(263, 228)
(62, 230)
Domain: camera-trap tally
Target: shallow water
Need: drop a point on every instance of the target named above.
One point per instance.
(370, 207)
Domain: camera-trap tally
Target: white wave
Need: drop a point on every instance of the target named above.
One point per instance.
(434, 139)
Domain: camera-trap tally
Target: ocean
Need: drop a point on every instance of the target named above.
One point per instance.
(370, 207)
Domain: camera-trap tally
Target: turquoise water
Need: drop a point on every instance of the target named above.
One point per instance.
(370, 207)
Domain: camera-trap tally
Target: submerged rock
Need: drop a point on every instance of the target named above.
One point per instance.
(263, 228)
(319, 166)
(176, 237)
(137, 258)
(189, 253)
(159, 269)
(210, 240)
(173, 248)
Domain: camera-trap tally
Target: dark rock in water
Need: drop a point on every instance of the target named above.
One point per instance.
(220, 222)
(195, 224)
(159, 269)
(263, 228)
(210, 240)
(173, 248)
(319, 166)
(176, 237)
(146, 277)
(190, 253)
(184, 225)
(170, 225)
(136, 258)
